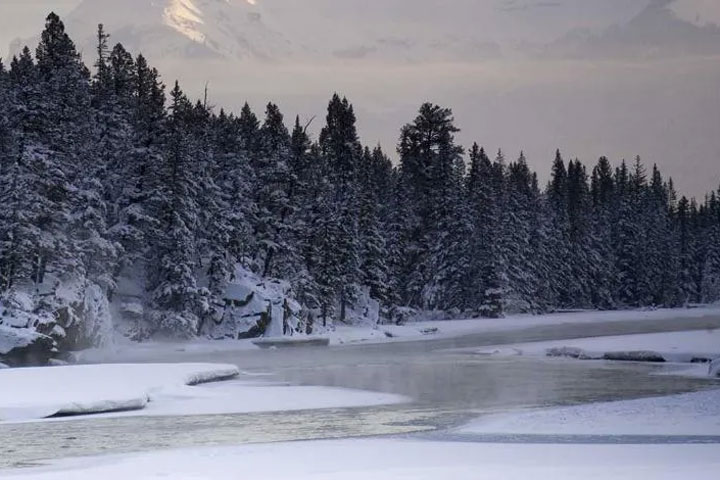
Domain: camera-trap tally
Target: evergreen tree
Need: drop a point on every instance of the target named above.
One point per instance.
(275, 211)
(176, 299)
(341, 259)
(103, 185)
(429, 159)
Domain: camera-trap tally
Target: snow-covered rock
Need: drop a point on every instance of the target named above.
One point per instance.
(635, 356)
(569, 352)
(83, 312)
(714, 369)
(21, 340)
(256, 307)
(365, 310)
(24, 346)
(37, 323)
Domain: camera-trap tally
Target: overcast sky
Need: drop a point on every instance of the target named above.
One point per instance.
(592, 77)
(22, 18)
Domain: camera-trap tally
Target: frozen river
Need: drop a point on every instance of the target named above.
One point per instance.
(447, 389)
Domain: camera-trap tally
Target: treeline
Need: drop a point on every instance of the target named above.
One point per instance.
(105, 175)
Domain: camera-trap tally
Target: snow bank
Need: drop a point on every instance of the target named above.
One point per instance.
(516, 322)
(686, 414)
(124, 350)
(394, 460)
(160, 390)
(344, 334)
(697, 346)
(33, 393)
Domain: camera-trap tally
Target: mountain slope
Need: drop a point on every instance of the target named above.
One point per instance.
(656, 32)
(179, 28)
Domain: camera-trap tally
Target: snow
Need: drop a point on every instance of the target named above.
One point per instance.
(80, 306)
(420, 330)
(235, 396)
(678, 347)
(11, 338)
(124, 350)
(161, 390)
(395, 459)
(686, 414)
(248, 298)
(516, 322)
(714, 370)
(94, 388)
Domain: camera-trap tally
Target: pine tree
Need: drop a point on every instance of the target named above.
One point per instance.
(102, 184)
(340, 263)
(373, 244)
(276, 182)
(177, 301)
(429, 159)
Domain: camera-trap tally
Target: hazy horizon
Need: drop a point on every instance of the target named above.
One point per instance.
(591, 77)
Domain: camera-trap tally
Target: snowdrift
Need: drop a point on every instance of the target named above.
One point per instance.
(34, 393)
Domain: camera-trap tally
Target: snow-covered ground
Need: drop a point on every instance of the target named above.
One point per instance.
(518, 322)
(33, 393)
(681, 347)
(124, 350)
(36, 393)
(395, 460)
(425, 329)
(697, 347)
(687, 414)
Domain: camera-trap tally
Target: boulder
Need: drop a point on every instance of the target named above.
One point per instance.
(568, 352)
(639, 356)
(20, 347)
(255, 307)
(714, 369)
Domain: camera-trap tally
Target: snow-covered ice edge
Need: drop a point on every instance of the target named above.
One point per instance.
(421, 330)
(698, 347)
(71, 393)
(42, 392)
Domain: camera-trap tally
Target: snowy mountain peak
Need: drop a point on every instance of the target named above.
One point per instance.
(178, 28)
(187, 16)
(184, 17)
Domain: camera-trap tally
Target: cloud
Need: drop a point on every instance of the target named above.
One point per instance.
(515, 5)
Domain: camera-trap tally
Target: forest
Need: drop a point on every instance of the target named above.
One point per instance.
(109, 176)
